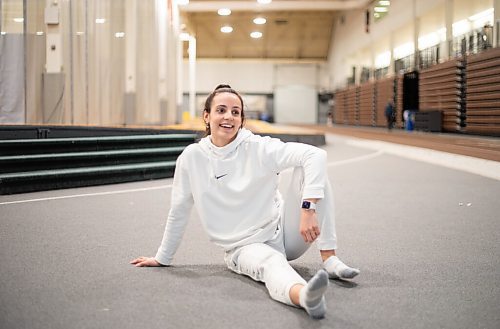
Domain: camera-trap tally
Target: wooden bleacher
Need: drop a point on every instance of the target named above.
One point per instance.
(439, 90)
(339, 114)
(384, 91)
(464, 90)
(483, 93)
(352, 105)
(366, 104)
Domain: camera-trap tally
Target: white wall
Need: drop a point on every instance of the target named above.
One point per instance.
(296, 94)
(295, 85)
(246, 76)
(296, 104)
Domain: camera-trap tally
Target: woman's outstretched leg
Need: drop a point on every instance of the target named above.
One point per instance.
(263, 263)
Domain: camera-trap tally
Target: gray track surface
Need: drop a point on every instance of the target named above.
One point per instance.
(425, 237)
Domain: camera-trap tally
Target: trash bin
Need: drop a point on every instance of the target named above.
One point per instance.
(409, 118)
(428, 120)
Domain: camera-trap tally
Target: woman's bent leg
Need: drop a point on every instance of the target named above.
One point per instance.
(294, 244)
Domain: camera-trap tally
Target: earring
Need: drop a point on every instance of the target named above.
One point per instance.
(207, 125)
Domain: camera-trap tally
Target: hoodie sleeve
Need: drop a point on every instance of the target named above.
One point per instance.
(280, 156)
(180, 209)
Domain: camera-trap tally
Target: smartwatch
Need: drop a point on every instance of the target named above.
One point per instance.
(308, 205)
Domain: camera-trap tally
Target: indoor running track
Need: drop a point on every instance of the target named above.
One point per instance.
(422, 226)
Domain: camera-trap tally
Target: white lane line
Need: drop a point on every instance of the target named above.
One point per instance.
(334, 163)
(356, 159)
(478, 166)
(89, 194)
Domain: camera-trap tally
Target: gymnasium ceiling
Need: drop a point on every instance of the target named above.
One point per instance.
(295, 29)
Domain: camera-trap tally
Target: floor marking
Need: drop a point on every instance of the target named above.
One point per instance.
(356, 159)
(486, 168)
(335, 163)
(89, 194)
(478, 166)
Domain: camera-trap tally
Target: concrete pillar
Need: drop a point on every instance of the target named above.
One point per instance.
(192, 76)
(53, 39)
(391, 49)
(53, 77)
(496, 25)
(172, 63)
(372, 59)
(163, 27)
(416, 32)
(130, 61)
(180, 81)
(447, 46)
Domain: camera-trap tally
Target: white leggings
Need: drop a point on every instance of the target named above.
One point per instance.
(268, 262)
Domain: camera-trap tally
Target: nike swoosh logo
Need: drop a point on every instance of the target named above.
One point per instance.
(217, 177)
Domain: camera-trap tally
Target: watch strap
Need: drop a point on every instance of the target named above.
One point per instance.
(308, 205)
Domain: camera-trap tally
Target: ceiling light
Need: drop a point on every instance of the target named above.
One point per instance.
(224, 11)
(18, 19)
(264, 2)
(120, 34)
(380, 9)
(226, 29)
(100, 20)
(256, 35)
(39, 33)
(259, 20)
(384, 3)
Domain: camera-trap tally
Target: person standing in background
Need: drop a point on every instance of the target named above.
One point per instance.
(389, 114)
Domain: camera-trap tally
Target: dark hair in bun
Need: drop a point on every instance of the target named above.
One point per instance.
(222, 88)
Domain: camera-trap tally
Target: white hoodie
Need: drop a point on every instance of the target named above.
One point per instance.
(235, 189)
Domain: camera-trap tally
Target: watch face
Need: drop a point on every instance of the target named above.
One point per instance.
(306, 204)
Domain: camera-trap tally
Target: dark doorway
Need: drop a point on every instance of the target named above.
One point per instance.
(410, 91)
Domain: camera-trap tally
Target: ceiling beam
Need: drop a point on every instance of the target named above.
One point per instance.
(202, 6)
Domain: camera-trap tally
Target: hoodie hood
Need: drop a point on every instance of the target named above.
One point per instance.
(224, 151)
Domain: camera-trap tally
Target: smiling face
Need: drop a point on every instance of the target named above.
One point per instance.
(224, 118)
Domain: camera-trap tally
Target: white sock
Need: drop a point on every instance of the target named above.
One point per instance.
(337, 269)
(312, 297)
